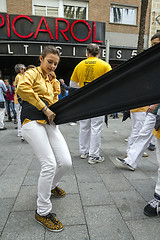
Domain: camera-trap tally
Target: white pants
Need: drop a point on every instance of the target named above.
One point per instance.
(18, 115)
(51, 149)
(90, 136)
(141, 143)
(138, 119)
(157, 188)
(153, 140)
(2, 113)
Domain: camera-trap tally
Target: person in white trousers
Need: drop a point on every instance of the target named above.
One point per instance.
(3, 89)
(153, 207)
(141, 143)
(145, 135)
(19, 69)
(45, 138)
(138, 116)
(90, 129)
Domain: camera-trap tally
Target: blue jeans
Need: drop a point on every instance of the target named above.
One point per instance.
(10, 105)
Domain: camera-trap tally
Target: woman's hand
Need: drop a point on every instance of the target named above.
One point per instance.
(51, 115)
(151, 108)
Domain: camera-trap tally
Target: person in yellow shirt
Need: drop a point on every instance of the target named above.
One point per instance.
(38, 129)
(90, 129)
(56, 86)
(19, 69)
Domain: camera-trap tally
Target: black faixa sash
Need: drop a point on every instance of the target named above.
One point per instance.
(133, 84)
(31, 112)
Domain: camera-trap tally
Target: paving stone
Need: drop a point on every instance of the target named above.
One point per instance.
(6, 205)
(94, 194)
(145, 229)
(116, 182)
(22, 226)
(130, 204)
(77, 232)
(145, 188)
(68, 209)
(105, 222)
(26, 199)
(88, 175)
(31, 178)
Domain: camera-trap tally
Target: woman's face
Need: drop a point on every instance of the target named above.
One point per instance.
(49, 63)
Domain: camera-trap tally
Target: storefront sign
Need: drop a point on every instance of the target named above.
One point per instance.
(47, 29)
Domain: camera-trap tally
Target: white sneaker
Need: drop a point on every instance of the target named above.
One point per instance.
(72, 123)
(145, 154)
(84, 156)
(93, 160)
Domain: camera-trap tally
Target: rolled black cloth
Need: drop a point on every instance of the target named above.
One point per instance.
(31, 112)
(133, 84)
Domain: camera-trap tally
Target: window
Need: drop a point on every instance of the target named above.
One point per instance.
(46, 11)
(123, 15)
(74, 12)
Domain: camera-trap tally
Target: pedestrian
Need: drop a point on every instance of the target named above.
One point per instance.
(69, 90)
(56, 85)
(90, 129)
(10, 101)
(3, 89)
(43, 135)
(19, 69)
(153, 207)
(144, 137)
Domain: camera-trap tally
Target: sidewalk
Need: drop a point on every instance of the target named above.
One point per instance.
(103, 202)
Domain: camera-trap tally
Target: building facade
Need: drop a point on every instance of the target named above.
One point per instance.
(121, 18)
(154, 18)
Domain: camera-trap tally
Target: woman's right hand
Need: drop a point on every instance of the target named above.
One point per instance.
(51, 115)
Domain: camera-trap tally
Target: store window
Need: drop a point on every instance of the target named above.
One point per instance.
(3, 6)
(75, 12)
(123, 14)
(46, 11)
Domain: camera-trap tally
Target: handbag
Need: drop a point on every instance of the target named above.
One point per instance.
(2, 105)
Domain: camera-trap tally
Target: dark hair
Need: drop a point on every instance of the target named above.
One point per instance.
(18, 67)
(93, 49)
(50, 49)
(156, 35)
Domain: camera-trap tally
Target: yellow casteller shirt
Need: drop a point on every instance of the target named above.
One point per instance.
(88, 70)
(32, 87)
(18, 76)
(141, 109)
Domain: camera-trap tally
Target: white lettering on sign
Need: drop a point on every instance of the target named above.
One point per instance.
(9, 49)
(133, 53)
(26, 49)
(58, 47)
(119, 54)
(74, 51)
(103, 53)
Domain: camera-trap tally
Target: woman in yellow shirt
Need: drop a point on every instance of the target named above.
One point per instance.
(38, 129)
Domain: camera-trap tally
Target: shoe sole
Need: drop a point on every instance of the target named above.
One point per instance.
(145, 213)
(125, 165)
(49, 228)
(97, 161)
(52, 194)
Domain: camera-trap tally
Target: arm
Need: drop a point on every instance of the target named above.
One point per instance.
(25, 89)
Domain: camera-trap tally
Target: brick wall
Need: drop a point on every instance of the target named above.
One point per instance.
(155, 17)
(19, 7)
(99, 10)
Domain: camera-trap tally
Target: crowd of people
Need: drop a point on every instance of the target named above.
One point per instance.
(29, 99)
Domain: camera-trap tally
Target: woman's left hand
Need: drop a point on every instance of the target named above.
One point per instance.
(51, 115)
